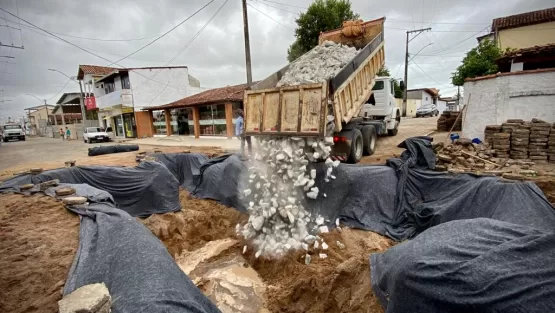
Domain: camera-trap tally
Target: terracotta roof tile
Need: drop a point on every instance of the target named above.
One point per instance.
(94, 69)
(229, 93)
(524, 19)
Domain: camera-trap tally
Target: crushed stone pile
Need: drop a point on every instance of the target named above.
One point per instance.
(279, 180)
(318, 65)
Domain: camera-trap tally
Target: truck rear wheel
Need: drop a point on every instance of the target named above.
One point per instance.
(369, 138)
(356, 147)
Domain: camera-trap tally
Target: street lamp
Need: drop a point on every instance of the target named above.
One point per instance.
(82, 99)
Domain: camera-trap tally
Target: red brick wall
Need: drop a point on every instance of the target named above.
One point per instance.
(144, 124)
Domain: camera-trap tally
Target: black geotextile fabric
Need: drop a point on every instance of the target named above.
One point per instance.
(473, 265)
(222, 179)
(184, 166)
(112, 149)
(140, 191)
(425, 198)
(115, 249)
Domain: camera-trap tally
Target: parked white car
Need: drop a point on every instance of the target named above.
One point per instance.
(12, 131)
(96, 134)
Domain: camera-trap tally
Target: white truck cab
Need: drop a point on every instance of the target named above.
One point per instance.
(98, 134)
(381, 106)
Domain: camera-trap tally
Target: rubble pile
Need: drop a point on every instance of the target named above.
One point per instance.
(447, 119)
(279, 180)
(318, 65)
(464, 156)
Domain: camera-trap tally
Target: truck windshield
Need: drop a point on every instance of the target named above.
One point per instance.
(379, 85)
(12, 127)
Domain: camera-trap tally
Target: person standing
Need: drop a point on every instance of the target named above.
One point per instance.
(68, 134)
(240, 132)
(62, 134)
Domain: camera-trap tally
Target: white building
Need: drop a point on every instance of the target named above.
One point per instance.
(118, 93)
(493, 99)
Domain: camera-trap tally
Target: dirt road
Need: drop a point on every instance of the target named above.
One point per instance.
(386, 147)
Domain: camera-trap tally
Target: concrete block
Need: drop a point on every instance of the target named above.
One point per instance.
(93, 298)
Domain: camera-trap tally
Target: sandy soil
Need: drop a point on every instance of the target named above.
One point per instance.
(39, 238)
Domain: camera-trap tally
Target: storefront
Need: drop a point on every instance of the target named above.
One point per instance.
(120, 121)
(209, 113)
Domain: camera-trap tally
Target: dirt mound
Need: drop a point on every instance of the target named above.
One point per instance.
(198, 222)
(338, 283)
(39, 240)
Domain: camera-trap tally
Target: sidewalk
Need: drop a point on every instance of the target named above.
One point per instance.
(187, 141)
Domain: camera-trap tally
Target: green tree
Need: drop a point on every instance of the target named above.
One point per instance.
(397, 91)
(479, 61)
(321, 15)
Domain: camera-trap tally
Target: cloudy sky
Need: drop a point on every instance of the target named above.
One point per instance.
(112, 30)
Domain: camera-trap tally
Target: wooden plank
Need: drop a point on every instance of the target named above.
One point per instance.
(270, 111)
(311, 109)
(290, 111)
(253, 106)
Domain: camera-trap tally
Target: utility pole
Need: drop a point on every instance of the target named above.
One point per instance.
(247, 43)
(81, 102)
(419, 31)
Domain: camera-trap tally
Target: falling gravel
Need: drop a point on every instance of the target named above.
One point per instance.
(318, 65)
(279, 183)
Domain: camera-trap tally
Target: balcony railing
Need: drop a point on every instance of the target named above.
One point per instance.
(122, 96)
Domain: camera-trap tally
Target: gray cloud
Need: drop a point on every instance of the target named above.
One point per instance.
(216, 57)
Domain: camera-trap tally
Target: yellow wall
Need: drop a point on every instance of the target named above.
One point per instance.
(412, 104)
(527, 36)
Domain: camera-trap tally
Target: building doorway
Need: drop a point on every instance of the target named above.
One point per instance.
(130, 126)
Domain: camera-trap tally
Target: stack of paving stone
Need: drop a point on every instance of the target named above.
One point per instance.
(502, 145)
(551, 145)
(539, 138)
(490, 131)
(520, 140)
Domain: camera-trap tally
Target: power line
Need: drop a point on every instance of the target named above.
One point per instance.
(60, 90)
(286, 4)
(406, 21)
(7, 28)
(188, 43)
(276, 7)
(268, 16)
(428, 75)
(86, 38)
(457, 44)
(164, 34)
(78, 47)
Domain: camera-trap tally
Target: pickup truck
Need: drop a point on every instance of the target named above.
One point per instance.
(12, 131)
(353, 107)
(98, 134)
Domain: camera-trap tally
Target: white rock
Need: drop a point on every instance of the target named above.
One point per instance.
(244, 249)
(325, 195)
(313, 173)
(304, 246)
(307, 259)
(323, 255)
(337, 222)
(258, 253)
(336, 163)
(257, 222)
(247, 192)
(291, 217)
(316, 244)
(323, 229)
(340, 245)
(324, 246)
(319, 220)
(316, 155)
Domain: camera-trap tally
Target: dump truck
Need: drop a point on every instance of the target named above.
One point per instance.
(354, 106)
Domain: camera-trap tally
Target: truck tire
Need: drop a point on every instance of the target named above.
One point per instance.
(356, 147)
(395, 130)
(369, 138)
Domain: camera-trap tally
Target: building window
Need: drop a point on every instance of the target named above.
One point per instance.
(125, 84)
(426, 98)
(109, 87)
(159, 122)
